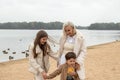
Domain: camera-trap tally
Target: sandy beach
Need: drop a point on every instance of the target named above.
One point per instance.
(102, 62)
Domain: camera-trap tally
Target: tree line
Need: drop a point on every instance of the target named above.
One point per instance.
(104, 26)
(57, 25)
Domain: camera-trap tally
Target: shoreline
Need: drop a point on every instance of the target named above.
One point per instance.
(102, 62)
(88, 47)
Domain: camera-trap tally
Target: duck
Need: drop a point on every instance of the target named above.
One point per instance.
(5, 52)
(11, 57)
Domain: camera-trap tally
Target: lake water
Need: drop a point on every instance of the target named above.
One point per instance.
(17, 41)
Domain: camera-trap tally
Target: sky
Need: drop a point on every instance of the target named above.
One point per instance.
(80, 12)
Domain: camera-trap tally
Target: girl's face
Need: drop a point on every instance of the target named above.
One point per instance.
(69, 30)
(71, 62)
(43, 40)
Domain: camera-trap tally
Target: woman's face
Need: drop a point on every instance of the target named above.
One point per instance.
(43, 40)
(69, 30)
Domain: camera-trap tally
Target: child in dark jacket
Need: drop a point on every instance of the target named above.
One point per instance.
(67, 70)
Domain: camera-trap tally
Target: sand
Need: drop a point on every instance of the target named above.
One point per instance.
(102, 62)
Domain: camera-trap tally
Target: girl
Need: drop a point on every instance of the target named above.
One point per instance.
(40, 51)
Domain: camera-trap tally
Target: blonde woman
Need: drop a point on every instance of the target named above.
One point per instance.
(40, 51)
(72, 40)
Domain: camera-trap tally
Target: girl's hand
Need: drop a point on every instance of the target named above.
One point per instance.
(44, 75)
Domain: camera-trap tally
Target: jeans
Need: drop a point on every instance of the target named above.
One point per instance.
(69, 77)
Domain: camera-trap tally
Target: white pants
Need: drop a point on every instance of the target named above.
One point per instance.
(62, 59)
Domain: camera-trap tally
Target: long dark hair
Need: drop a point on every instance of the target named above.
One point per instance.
(44, 47)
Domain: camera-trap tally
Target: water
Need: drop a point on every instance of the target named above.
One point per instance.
(18, 40)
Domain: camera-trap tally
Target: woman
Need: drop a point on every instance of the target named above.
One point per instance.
(39, 55)
(72, 40)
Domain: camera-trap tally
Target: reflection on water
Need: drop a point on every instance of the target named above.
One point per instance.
(17, 41)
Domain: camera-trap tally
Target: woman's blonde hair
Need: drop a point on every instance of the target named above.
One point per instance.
(68, 24)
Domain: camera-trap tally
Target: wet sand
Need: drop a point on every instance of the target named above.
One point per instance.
(102, 63)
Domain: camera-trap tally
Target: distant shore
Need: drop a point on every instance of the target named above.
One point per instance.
(102, 63)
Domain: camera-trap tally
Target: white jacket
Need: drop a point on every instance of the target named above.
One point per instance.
(36, 64)
(79, 50)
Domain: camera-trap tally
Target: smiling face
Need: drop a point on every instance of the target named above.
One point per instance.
(69, 30)
(71, 62)
(43, 40)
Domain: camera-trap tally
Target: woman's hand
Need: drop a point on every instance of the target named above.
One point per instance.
(77, 66)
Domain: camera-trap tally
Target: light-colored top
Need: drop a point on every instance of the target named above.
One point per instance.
(69, 44)
(71, 39)
(36, 64)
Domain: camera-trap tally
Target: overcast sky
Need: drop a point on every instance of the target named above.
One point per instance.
(80, 12)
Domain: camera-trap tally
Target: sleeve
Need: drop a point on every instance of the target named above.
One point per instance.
(55, 73)
(33, 61)
(60, 48)
(54, 55)
(81, 56)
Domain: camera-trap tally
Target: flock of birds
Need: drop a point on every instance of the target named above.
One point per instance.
(11, 57)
